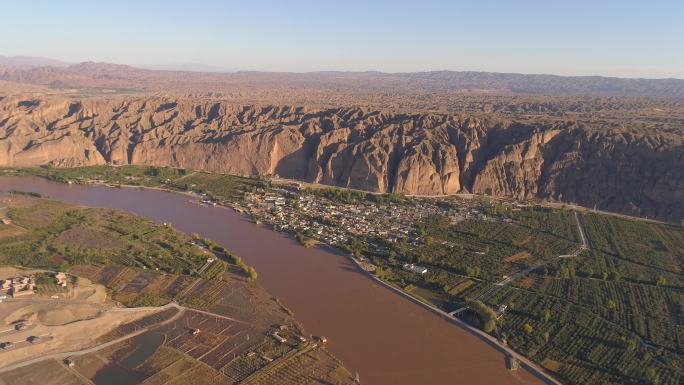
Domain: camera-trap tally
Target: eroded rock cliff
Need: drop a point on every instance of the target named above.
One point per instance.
(624, 169)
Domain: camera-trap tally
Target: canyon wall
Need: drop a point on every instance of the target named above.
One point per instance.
(623, 169)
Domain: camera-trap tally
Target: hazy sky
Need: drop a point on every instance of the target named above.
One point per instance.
(621, 38)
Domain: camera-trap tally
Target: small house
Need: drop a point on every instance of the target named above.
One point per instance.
(512, 363)
(61, 279)
(278, 337)
(33, 339)
(415, 268)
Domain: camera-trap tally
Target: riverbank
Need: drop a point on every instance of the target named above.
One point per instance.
(387, 338)
(527, 364)
(225, 305)
(492, 341)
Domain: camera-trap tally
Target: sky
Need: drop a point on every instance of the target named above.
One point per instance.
(600, 37)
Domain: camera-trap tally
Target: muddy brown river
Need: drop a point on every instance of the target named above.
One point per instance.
(386, 338)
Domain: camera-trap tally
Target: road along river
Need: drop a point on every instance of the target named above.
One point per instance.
(385, 337)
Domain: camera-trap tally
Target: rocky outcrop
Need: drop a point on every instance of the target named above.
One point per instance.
(624, 169)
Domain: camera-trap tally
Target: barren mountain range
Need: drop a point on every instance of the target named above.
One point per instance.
(91, 74)
(631, 168)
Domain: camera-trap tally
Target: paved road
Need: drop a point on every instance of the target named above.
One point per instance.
(507, 281)
(585, 240)
(63, 355)
(536, 370)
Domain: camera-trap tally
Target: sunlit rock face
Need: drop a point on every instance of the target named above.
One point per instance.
(637, 172)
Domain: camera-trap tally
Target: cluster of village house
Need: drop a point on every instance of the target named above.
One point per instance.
(18, 286)
(286, 208)
(26, 284)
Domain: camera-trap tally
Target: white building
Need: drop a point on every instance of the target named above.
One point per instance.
(415, 268)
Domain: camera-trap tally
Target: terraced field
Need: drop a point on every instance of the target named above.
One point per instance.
(223, 334)
(612, 315)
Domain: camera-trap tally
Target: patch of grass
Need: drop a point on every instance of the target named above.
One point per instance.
(46, 284)
(149, 299)
(61, 234)
(352, 196)
(126, 175)
(219, 186)
(552, 365)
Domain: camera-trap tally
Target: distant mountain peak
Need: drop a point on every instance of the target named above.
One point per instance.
(190, 78)
(30, 61)
(87, 66)
(185, 67)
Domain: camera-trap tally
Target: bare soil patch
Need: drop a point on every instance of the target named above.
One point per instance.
(87, 291)
(11, 230)
(90, 239)
(527, 282)
(65, 314)
(44, 373)
(518, 257)
(8, 272)
(53, 314)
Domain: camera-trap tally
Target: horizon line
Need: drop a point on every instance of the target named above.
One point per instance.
(218, 69)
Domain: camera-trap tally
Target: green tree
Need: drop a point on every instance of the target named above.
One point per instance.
(528, 328)
(152, 171)
(652, 376)
(402, 246)
(486, 315)
(391, 258)
(429, 240)
(647, 358)
(615, 276)
(472, 271)
(631, 344)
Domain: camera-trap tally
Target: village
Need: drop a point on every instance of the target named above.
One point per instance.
(25, 285)
(335, 222)
(21, 286)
